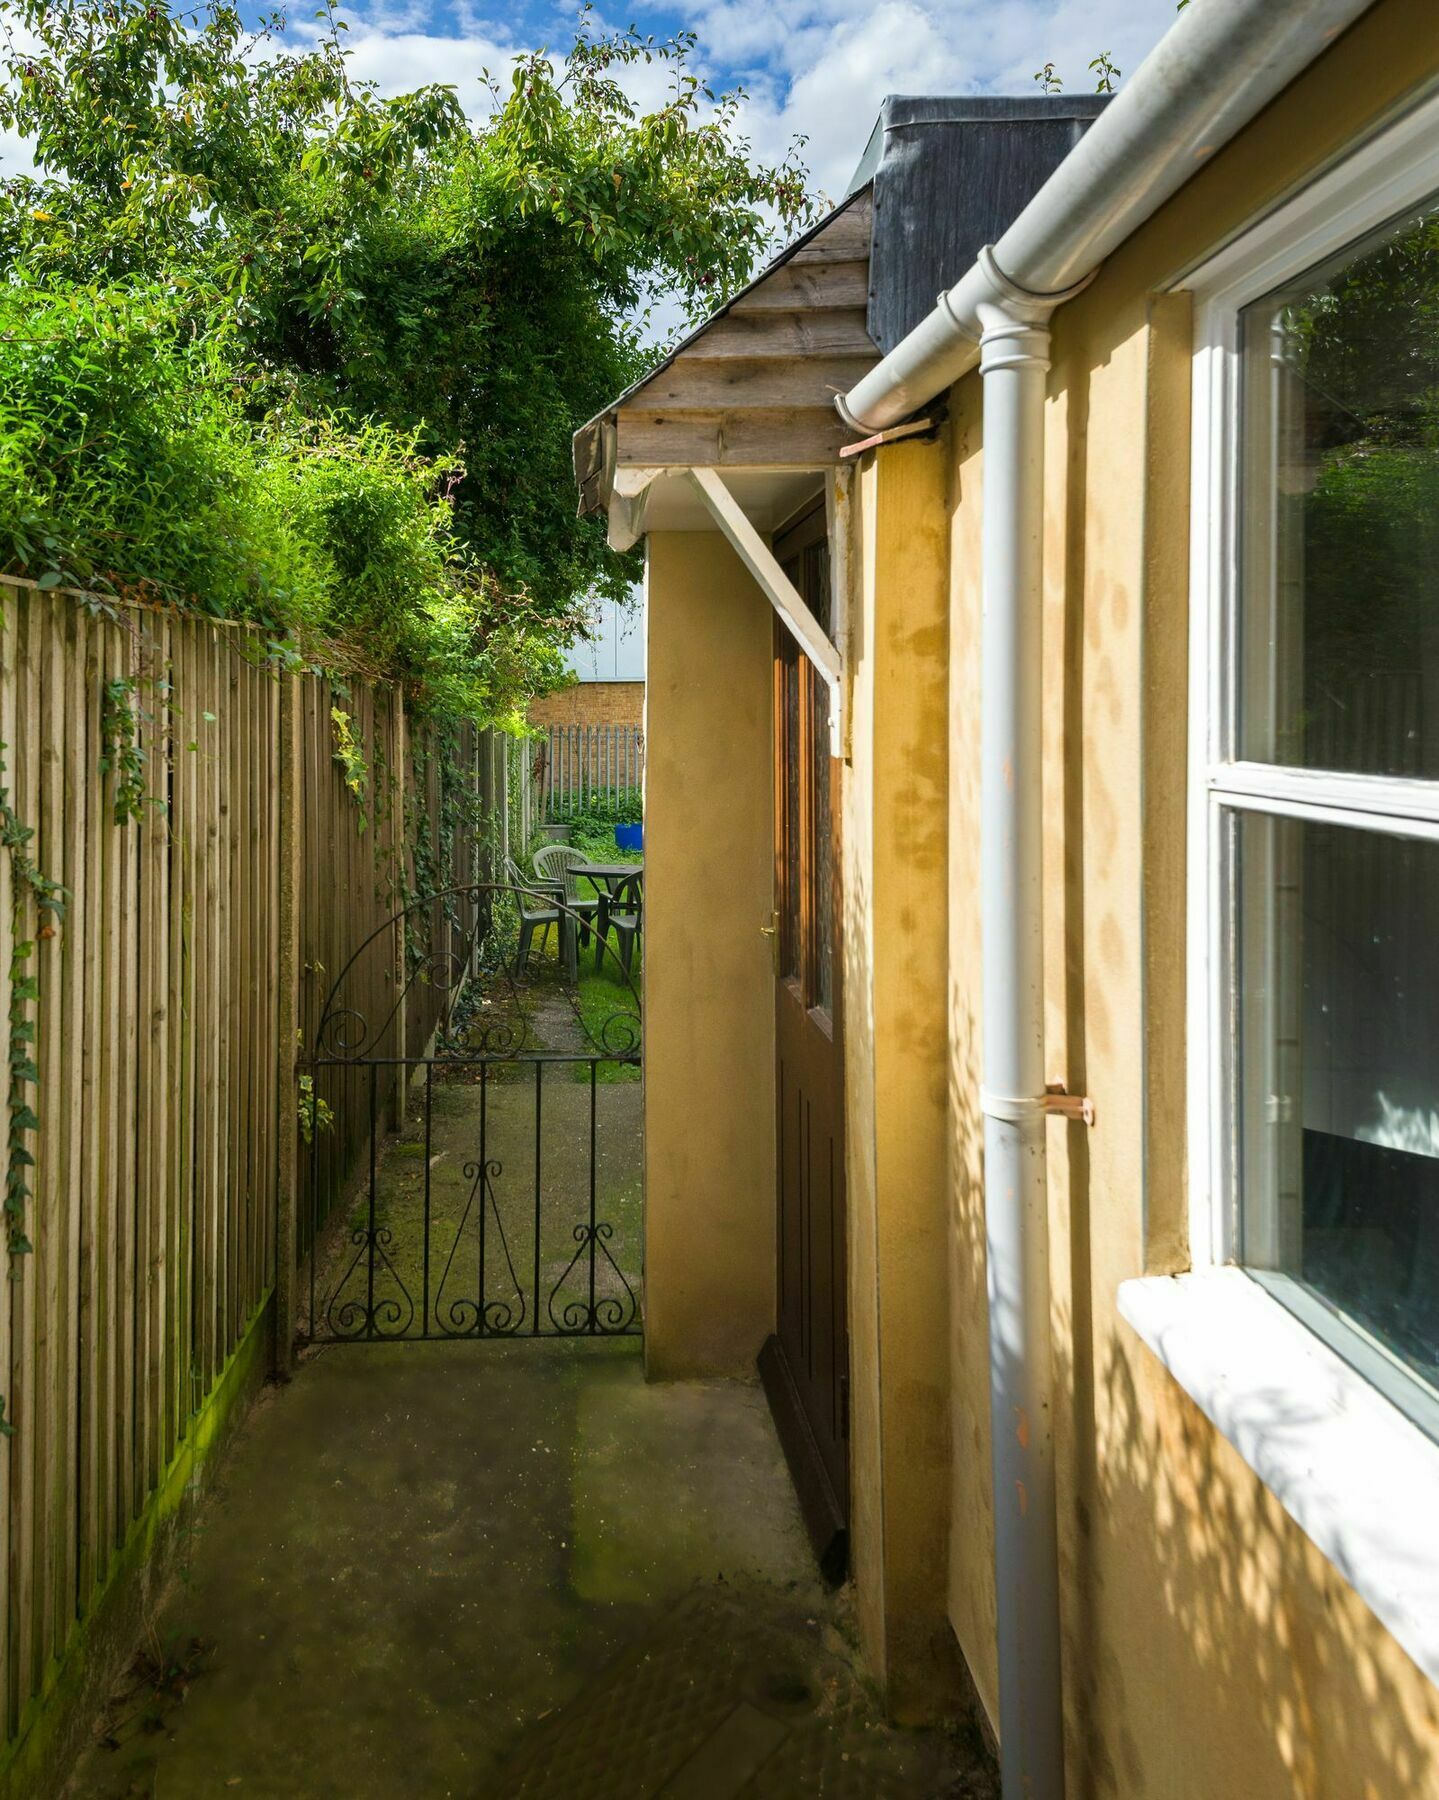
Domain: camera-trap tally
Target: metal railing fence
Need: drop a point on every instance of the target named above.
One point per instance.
(577, 766)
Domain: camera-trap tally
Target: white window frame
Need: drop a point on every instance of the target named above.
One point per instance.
(1382, 180)
(1305, 1398)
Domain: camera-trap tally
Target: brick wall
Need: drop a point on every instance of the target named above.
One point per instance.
(592, 703)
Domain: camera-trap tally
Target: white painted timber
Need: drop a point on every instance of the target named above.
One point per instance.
(1353, 1472)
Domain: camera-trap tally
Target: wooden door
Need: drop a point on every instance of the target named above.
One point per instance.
(805, 1364)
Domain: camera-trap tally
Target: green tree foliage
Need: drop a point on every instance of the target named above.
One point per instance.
(350, 334)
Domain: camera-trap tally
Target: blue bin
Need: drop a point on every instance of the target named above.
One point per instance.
(630, 837)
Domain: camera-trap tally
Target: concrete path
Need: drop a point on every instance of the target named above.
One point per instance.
(417, 1555)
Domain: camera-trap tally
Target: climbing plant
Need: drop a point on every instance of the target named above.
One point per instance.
(121, 755)
(349, 753)
(29, 886)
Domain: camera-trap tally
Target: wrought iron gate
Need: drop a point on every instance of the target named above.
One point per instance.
(470, 1108)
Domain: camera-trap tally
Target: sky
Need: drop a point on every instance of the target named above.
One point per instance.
(815, 68)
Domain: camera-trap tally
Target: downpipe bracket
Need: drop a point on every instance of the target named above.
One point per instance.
(1056, 1102)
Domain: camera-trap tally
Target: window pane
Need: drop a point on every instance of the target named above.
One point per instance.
(1340, 629)
(1339, 1072)
(814, 585)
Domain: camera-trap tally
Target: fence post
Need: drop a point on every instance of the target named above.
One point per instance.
(288, 1182)
(499, 758)
(399, 1093)
(485, 792)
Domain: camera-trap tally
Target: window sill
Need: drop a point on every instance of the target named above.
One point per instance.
(1357, 1476)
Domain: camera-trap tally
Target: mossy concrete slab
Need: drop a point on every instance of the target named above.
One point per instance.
(416, 1551)
(741, 1693)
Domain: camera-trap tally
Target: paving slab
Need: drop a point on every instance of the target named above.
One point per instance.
(419, 1561)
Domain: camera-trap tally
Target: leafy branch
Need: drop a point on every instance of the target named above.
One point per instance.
(350, 755)
(315, 1112)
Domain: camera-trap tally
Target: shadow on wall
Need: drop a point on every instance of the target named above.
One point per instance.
(1209, 1648)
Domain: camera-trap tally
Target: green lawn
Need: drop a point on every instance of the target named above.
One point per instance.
(604, 1001)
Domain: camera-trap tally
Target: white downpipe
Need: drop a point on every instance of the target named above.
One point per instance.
(1219, 65)
(1014, 363)
(1213, 72)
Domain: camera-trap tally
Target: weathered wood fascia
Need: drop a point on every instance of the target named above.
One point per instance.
(628, 498)
(756, 555)
(839, 523)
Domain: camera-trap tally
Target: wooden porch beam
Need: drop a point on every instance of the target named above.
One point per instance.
(777, 587)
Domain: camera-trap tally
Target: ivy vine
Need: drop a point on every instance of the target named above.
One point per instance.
(350, 755)
(122, 755)
(427, 844)
(28, 883)
(315, 1112)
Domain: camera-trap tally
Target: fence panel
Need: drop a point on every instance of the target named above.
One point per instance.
(143, 1030)
(117, 1011)
(397, 825)
(576, 766)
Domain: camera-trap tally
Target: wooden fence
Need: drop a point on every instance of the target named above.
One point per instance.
(521, 815)
(578, 765)
(152, 1036)
(353, 883)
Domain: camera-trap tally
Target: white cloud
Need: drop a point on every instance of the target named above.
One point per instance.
(895, 49)
(17, 155)
(813, 68)
(822, 71)
(388, 45)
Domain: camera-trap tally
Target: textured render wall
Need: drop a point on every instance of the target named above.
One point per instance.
(866, 1484)
(1209, 1648)
(971, 1526)
(709, 985)
(895, 829)
(592, 703)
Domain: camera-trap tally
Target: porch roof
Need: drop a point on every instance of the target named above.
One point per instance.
(753, 387)
(752, 390)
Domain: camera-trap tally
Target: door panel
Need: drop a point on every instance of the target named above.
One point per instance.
(805, 1365)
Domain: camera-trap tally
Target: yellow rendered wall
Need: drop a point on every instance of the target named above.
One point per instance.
(1210, 1650)
(895, 947)
(709, 986)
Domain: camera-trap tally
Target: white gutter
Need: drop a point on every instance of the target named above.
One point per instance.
(1215, 69)
(1222, 62)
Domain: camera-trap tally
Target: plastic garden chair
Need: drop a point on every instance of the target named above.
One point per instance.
(625, 913)
(556, 863)
(539, 908)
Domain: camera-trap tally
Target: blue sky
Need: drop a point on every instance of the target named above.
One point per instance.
(816, 67)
